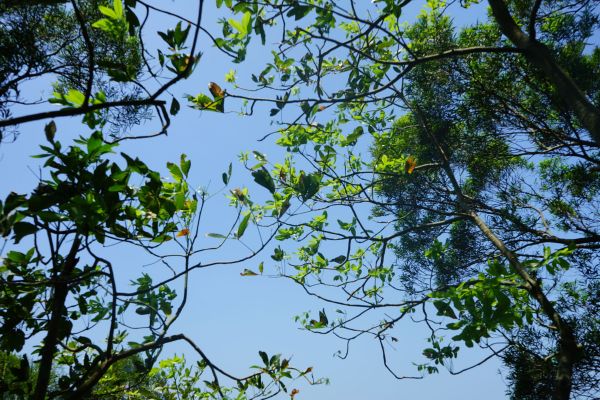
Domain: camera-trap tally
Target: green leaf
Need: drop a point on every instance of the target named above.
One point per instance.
(242, 227)
(118, 75)
(175, 171)
(94, 143)
(243, 26)
(203, 102)
(444, 309)
(248, 272)
(230, 76)
(13, 340)
(22, 229)
(264, 357)
(83, 339)
(299, 11)
(50, 131)
(161, 239)
(175, 106)
(353, 137)
(185, 164)
(264, 179)
(308, 185)
(105, 25)
(226, 176)
(339, 259)
(278, 254)
(118, 7)
(109, 12)
(75, 98)
(142, 310)
(216, 236)
(323, 318)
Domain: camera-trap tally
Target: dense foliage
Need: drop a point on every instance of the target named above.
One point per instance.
(77, 319)
(441, 172)
(438, 171)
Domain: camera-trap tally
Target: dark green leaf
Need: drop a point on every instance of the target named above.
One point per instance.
(323, 318)
(264, 357)
(299, 11)
(185, 164)
(175, 106)
(263, 178)
(444, 309)
(22, 229)
(339, 259)
(50, 131)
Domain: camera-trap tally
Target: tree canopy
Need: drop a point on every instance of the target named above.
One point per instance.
(439, 172)
(74, 317)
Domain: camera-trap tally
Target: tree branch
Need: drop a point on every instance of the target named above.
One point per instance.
(71, 112)
(539, 55)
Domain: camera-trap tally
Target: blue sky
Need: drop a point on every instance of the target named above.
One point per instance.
(229, 316)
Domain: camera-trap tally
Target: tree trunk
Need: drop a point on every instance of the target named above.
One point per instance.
(568, 349)
(540, 56)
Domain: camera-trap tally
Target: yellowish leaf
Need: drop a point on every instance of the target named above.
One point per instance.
(216, 90)
(410, 164)
(239, 194)
(183, 232)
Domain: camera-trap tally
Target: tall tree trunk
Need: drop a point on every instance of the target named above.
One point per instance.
(568, 349)
(540, 56)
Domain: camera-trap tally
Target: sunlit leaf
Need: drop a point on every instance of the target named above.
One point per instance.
(183, 232)
(216, 90)
(243, 225)
(410, 164)
(248, 272)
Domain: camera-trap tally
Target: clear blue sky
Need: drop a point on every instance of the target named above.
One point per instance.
(232, 317)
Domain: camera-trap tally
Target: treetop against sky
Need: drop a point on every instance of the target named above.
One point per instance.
(423, 173)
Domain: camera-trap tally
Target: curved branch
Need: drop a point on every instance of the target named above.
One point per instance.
(71, 112)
